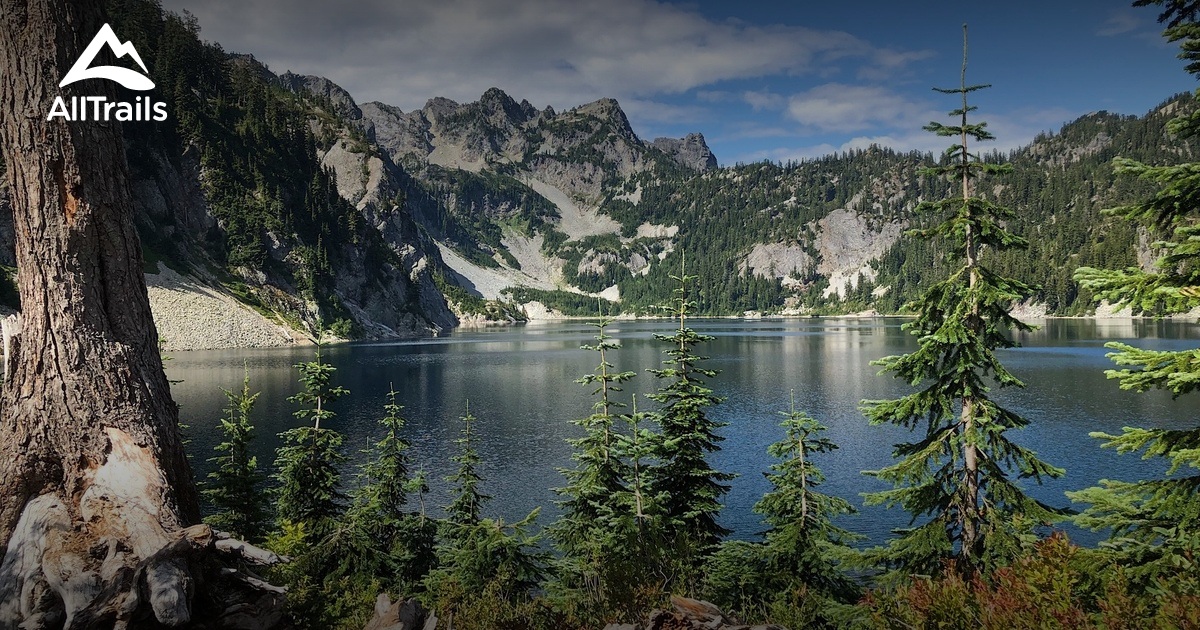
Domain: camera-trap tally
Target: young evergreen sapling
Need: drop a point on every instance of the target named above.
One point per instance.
(691, 488)
(595, 482)
(235, 486)
(308, 465)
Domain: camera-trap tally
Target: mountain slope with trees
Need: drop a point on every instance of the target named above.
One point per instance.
(315, 211)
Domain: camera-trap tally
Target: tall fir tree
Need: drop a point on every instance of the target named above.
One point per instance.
(388, 543)
(593, 484)
(691, 487)
(639, 563)
(959, 477)
(235, 486)
(308, 465)
(1155, 522)
(803, 543)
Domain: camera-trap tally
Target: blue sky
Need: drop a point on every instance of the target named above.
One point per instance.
(761, 79)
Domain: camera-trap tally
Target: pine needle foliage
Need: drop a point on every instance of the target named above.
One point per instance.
(384, 493)
(639, 564)
(476, 554)
(389, 543)
(1155, 523)
(691, 486)
(803, 541)
(487, 556)
(598, 472)
(466, 508)
(235, 486)
(308, 465)
(581, 533)
(803, 548)
(960, 477)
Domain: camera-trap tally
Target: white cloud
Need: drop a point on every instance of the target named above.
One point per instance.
(1119, 23)
(887, 64)
(851, 108)
(760, 101)
(550, 52)
(1013, 130)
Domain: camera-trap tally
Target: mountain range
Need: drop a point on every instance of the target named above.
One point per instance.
(275, 206)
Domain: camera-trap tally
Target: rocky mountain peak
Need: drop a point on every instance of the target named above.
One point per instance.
(691, 151)
(609, 110)
(439, 107)
(249, 61)
(342, 102)
(500, 108)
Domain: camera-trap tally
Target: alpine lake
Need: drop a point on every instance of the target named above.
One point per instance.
(520, 383)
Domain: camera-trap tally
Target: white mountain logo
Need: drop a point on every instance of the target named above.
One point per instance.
(126, 77)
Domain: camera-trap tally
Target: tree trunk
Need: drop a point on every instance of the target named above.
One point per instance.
(94, 484)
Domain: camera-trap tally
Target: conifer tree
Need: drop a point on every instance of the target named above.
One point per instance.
(638, 564)
(419, 486)
(597, 478)
(476, 554)
(802, 547)
(467, 506)
(307, 466)
(637, 447)
(960, 473)
(691, 487)
(1154, 523)
(384, 492)
(802, 542)
(389, 544)
(234, 488)
(487, 557)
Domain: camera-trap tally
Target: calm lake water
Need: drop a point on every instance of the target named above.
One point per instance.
(520, 384)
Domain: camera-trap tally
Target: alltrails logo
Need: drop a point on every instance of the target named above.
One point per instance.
(99, 107)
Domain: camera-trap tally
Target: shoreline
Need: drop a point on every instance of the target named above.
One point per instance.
(191, 314)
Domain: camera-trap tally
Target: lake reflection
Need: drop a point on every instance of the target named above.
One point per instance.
(520, 384)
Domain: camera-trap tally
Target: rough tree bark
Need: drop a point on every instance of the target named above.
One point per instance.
(95, 491)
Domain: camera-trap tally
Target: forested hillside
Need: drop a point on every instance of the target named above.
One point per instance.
(766, 236)
(374, 222)
(233, 188)
(823, 235)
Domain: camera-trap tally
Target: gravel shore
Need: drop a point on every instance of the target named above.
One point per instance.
(191, 315)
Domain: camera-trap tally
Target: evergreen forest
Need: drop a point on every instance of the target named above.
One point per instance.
(639, 503)
(1067, 222)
